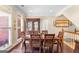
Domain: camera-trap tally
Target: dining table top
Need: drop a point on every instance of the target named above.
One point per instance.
(28, 37)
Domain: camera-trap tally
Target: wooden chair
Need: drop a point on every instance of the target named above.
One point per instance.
(76, 50)
(44, 32)
(35, 42)
(30, 32)
(59, 40)
(48, 42)
(35, 32)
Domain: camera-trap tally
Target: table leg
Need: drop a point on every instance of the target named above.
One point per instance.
(52, 45)
(25, 46)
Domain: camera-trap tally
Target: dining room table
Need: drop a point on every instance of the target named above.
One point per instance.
(27, 41)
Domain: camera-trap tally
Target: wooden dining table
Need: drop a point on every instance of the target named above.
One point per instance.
(27, 40)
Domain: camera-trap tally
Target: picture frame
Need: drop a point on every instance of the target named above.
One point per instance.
(62, 23)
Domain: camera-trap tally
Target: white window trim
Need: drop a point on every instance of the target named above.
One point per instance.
(17, 27)
(10, 30)
(21, 27)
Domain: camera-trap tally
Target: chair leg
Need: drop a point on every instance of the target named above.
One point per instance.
(44, 49)
(25, 47)
(40, 50)
(31, 50)
(61, 47)
(58, 44)
(57, 48)
(52, 48)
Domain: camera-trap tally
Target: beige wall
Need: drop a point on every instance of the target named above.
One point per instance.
(72, 14)
(47, 23)
(15, 13)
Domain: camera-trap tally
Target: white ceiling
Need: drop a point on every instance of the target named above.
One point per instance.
(41, 10)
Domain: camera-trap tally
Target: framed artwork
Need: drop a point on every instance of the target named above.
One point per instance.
(62, 23)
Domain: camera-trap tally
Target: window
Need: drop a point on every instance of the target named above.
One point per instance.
(5, 30)
(29, 25)
(36, 26)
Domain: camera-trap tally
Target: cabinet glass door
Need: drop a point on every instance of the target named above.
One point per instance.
(29, 26)
(35, 26)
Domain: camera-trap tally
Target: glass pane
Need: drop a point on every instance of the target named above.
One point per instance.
(5, 30)
(36, 26)
(4, 37)
(29, 26)
(4, 22)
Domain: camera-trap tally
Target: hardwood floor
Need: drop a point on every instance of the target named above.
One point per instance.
(66, 49)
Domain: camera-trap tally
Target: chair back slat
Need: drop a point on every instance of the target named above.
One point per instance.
(44, 31)
(35, 41)
(49, 36)
(35, 36)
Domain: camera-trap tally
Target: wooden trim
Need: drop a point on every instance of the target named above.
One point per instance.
(34, 20)
(14, 46)
(72, 32)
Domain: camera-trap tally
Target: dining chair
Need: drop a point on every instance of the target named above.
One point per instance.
(76, 49)
(35, 42)
(35, 32)
(48, 42)
(44, 31)
(59, 39)
(30, 32)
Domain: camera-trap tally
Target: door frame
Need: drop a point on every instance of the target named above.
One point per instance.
(33, 20)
